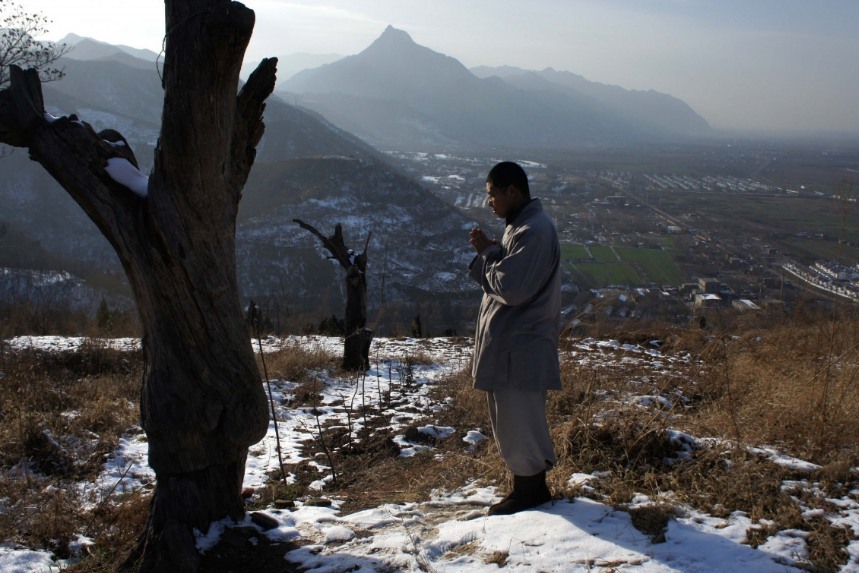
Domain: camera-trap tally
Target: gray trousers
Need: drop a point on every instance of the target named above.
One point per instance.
(521, 431)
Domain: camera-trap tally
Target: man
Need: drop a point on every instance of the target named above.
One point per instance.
(516, 339)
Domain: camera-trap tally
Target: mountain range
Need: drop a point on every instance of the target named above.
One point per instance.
(290, 64)
(306, 168)
(89, 49)
(658, 111)
(398, 94)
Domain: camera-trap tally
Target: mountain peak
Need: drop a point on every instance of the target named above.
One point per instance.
(393, 35)
(71, 39)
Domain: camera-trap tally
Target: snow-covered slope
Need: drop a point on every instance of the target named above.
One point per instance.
(449, 531)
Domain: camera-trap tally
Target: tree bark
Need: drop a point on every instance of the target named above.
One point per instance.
(202, 403)
(356, 345)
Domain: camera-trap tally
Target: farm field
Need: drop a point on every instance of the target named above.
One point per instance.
(599, 275)
(573, 251)
(810, 250)
(786, 215)
(667, 242)
(606, 269)
(601, 253)
(657, 265)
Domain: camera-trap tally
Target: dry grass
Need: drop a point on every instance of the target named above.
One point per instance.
(498, 558)
(297, 363)
(795, 384)
(418, 357)
(652, 520)
(59, 416)
(785, 381)
(790, 382)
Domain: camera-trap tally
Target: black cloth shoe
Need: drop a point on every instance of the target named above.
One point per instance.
(528, 492)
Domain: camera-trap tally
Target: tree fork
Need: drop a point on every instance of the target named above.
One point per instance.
(202, 402)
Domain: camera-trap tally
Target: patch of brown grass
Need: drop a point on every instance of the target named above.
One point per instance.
(117, 527)
(794, 384)
(59, 415)
(827, 545)
(297, 363)
(652, 520)
(419, 356)
(498, 558)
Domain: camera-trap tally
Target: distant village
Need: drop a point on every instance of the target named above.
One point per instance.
(621, 210)
(829, 276)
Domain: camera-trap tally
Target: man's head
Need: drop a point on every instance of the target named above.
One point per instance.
(507, 187)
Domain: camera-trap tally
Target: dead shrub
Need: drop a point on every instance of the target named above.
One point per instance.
(418, 357)
(297, 363)
(652, 520)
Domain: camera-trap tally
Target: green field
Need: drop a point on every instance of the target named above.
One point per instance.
(570, 251)
(603, 253)
(667, 242)
(657, 265)
(596, 275)
(785, 215)
(809, 250)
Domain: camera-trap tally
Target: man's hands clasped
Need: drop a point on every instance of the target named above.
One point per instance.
(479, 240)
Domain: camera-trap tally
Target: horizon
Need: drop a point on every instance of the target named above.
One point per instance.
(773, 69)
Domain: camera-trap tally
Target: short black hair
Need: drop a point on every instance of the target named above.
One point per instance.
(508, 173)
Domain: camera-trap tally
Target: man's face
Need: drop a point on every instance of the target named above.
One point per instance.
(502, 201)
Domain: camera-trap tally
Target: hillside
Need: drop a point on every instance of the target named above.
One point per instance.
(425, 239)
(306, 167)
(290, 64)
(663, 465)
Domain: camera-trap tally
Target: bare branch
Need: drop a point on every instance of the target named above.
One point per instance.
(119, 145)
(249, 128)
(335, 243)
(18, 46)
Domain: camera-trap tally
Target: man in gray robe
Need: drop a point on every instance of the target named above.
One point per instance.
(516, 338)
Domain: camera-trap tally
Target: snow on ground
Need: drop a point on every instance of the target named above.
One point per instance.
(15, 559)
(450, 532)
(69, 343)
(126, 471)
(411, 385)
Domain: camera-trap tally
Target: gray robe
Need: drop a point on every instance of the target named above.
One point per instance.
(516, 338)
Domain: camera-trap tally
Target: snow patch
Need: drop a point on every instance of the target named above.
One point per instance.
(124, 173)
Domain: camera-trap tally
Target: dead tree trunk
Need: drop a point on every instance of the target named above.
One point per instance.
(202, 403)
(356, 345)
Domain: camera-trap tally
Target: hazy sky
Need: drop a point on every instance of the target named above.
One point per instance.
(776, 65)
